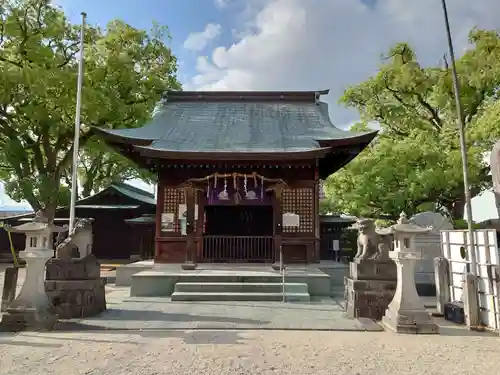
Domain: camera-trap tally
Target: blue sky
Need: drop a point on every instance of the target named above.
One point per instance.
(182, 18)
(295, 44)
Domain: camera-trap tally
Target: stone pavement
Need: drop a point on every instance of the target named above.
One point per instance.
(139, 313)
(152, 313)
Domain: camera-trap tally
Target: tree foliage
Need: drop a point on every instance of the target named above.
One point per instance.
(126, 70)
(415, 162)
(99, 167)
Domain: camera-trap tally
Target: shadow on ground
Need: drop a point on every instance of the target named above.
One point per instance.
(57, 339)
(160, 316)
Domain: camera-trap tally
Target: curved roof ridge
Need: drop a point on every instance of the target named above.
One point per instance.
(250, 96)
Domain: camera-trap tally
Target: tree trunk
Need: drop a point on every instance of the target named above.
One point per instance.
(50, 211)
(457, 208)
(35, 205)
(87, 188)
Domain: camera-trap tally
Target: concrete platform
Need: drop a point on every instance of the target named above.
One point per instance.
(124, 273)
(151, 314)
(236, 291)
(160, 280)
(239, 296)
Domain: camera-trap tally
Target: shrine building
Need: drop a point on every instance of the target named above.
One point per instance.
(238, 173)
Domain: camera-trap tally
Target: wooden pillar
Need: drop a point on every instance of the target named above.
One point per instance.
(201, 199)
(190, 263)
(317, 235)
(278, 220)
(160, 196)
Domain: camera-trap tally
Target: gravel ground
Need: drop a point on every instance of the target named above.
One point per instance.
(246, 352)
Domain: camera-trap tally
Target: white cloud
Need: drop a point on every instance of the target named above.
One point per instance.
(221, 4)
(199, 40)
(316, 44)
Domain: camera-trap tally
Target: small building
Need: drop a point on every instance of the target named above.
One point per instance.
(110, 208)
(143, 228)
(337, 240)
(230, 165)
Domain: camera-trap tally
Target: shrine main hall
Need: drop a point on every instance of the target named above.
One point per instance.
(238, 173)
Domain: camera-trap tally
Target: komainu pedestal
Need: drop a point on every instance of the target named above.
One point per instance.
(75, 287)
(369, 288)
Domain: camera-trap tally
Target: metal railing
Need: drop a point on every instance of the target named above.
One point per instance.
(238, 249)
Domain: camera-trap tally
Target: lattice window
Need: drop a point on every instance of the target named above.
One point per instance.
(173, 197)
(299, 201)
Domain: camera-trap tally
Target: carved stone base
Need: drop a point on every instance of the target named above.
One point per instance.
(413, 322)
(27, 319)
(75, 287)
(77, 298)
(368, 298)
(368, 269)
(87, 268)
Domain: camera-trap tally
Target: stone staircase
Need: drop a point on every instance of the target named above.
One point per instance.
(240, 291)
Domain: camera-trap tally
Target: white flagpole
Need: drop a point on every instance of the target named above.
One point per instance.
(76, 142)
(463, 144)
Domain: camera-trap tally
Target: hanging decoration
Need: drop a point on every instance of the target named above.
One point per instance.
(250, 194)
(208, 188)
(240, 189)
(237, 196)
(262, 188)
(223, 195)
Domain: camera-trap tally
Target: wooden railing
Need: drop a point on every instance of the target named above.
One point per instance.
(236, 249)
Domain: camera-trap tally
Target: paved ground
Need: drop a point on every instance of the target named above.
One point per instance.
(155, 336)
(160, 314)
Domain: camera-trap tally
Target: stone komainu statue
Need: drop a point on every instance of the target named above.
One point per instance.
(371, 245)
(495, 173)
(65, 247)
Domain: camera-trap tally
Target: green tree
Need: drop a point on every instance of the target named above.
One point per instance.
(100, 166)
(415, 162)
(126, 70)
(414, 174)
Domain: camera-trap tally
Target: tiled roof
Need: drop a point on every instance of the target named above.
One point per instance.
(135, 192)
(236, 123)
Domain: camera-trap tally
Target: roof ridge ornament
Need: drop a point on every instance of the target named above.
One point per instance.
(317, 96)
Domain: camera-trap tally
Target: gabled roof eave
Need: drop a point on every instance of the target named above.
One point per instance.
(110, 136)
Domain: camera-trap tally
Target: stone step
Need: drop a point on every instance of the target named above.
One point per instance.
(161, 282)
(338, 291)
(238, 296)
(238, 287)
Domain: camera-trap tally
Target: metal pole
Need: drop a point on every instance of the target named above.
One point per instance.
(76, 142)
(463, 146)
(282, 268)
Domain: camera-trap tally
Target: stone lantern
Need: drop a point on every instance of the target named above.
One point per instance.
(406, 312)
(32, 308)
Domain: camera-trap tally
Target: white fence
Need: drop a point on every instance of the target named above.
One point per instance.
(430, 247)
(486, 249)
